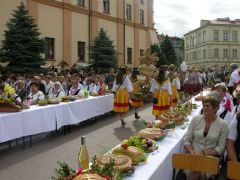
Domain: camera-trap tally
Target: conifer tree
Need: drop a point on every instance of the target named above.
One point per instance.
(22, 46)
(102, 53)
(168, 51)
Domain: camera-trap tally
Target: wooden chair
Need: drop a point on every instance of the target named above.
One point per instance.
(233, 170)
(204, 164)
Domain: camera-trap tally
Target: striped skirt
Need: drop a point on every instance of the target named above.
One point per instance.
(175, 96)
(136, 103)
(163, 104)
(121, 101)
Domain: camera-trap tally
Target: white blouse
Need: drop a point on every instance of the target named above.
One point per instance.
(35, 97)
(155, 86)
(176, 82)
(126, 84)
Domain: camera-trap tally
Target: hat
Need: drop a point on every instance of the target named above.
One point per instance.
(236, 92)
(171, 66)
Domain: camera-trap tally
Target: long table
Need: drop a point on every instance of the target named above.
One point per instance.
(159, 163)
(40, 119)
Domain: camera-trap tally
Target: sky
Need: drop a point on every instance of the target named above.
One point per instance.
(177, 17)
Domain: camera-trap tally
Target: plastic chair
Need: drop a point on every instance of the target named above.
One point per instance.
(233, 170)
(203, 164)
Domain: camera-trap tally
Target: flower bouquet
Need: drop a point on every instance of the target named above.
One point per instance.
(7, 100)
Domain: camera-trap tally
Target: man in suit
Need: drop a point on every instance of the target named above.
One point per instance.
(21, 91)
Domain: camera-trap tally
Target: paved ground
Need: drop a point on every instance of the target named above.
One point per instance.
(38, 162)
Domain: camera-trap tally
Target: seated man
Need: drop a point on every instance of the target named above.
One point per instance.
(233, 140)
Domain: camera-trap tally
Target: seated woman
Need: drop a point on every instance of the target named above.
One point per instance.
(75, 88)
(57, 91)
(206, 133)
(35, 94)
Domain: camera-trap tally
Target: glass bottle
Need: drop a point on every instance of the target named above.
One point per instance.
(83, 158)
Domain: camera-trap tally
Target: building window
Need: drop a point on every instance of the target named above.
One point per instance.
(194, 56)
(199, 38)
(141, 16)
(129, 12)
(80, 2)
(81, 51)
(225, 53)
(216, 35)
(141, 52)
(204, 53)
(199, 54)
(225, 36)
(235, 36)
(187, 43)
(106, 6)
(187, 57)
(190, 56)
(234, 53)
(49, 49)
(215, 53)
(129, 55)
(142, 1)
(204, 36)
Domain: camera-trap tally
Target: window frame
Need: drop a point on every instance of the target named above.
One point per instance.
(81, 46)
(234, 53)
(225, 35)
(106, 6)
(80, 3)
(129, 12)
(225, 53)
(215, 35)
(49, 42)
(129, 55)
(235, 36)
(216, 53)
(141, 16)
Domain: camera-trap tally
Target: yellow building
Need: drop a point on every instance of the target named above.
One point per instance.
(213, 44)
(69, 25)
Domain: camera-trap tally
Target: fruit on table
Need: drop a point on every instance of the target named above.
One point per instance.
(42, 102)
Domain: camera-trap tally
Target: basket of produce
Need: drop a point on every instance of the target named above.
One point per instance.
(9, 107)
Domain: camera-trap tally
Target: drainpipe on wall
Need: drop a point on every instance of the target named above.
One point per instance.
(89, 27)
(124, 34)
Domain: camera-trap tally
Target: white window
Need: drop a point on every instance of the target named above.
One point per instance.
(216, 35)
(225, 53)
(106, 6)
(216, 53)
(225, 36)
(129, 12)
(235, 36)
(234, 53)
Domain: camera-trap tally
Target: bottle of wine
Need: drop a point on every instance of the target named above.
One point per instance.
(83, 158)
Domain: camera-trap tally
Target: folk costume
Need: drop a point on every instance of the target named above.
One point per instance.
(121, 99)
(161, 96)
(122, 86)
(175, 86)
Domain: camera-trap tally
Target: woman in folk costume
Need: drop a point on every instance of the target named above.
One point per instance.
(175, 86)
(162, 92)
(137, 92)
(122, 87)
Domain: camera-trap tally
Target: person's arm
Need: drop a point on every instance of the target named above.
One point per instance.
(221, 142)
(231, 152)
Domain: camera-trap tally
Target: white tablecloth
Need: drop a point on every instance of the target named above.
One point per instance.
(159, 163)
(39, 119)
(80, 110)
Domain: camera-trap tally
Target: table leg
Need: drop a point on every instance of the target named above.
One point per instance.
(23, 139)
(30, 141)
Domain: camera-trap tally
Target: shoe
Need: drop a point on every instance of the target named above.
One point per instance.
(137, 116)
(123, 122)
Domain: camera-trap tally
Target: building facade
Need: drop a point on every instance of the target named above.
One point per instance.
(69, 26)
(177, 44)
(215, 43)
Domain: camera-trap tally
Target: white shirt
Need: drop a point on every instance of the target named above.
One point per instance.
(232, 134)
(35, 97)
(53, 94)
(155, 86)
(48, 86)
(91, 88)
(176, 82)
(234, 78)
(126, 84)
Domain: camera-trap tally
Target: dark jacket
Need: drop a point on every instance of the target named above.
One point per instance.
(23, 94)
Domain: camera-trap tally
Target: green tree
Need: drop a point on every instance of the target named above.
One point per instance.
(162, 58)
(22, 46)
(168, 51)
(102, 53)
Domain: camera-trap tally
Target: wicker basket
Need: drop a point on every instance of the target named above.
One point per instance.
(9, 107)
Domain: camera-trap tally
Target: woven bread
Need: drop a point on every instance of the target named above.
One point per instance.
(150, 133)
(89, 176)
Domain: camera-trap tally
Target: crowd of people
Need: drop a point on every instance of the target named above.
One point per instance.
(208, 134)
